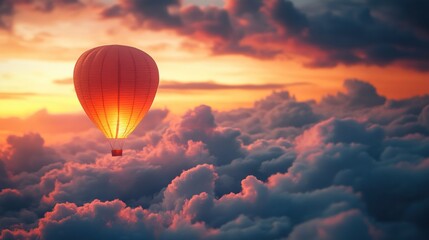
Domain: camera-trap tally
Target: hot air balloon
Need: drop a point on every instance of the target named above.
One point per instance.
(116, 86)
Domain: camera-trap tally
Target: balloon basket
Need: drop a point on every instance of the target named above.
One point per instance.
(116, 152)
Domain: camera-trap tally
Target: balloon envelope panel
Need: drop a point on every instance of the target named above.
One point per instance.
(116, 86)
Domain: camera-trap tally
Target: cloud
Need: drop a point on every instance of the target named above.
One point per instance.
(65, 81)
(278, 114)
(49, 5)
(340, 131)
(290, 20)
(4, 178)
(16, 95)
(6, 12)
(156, 14)
(424, 117)
(341, 32)
(242, 7)
(9, 199)
(27, 153)
(8, 9)
(352, 223)
(67, 220)
(353, 166)
(343, 29)
(210, 85)
(191, 182)
(113, 11)
(328, 34)
(207, 85)
(62, 127)
(48, 123)
(199, 125)
(359, 94)
(401, 12)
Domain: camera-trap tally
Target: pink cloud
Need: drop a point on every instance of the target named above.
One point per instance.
(226, 175)
(191, 182)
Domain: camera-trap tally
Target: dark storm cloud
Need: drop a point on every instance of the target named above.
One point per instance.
(367, 32)
(412, 13)
(372, 32)
(155, 13)
(242, 7)
(113, 11)
(211, 22)
(6, 12)
(352, 33)
(355, 165)
(284, 13)
(345, 34)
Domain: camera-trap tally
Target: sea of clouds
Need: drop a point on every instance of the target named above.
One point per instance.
(353, 166)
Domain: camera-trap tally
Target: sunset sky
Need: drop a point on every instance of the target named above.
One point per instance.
(233, 44)
(274, 119)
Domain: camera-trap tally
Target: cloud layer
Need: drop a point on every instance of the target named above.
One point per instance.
(355, 166)
(211, 85)
(326, 34)
(333, 32)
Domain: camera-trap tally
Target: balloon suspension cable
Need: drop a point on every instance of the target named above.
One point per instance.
(116, 145)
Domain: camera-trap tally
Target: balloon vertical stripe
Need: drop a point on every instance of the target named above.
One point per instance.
(135, 86)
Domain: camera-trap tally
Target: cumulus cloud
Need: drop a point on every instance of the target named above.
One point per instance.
(68, 221)
(359, 94)
(278, 115)
(11, 200)
(189, 183)
(355, 165)
(27, 153)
